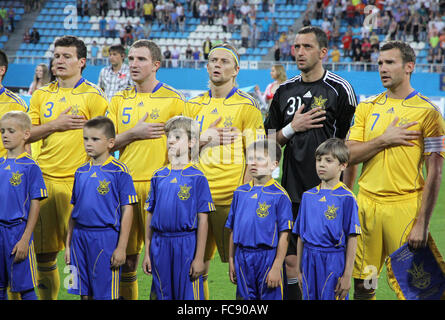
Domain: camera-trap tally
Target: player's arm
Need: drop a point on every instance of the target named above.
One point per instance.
(141, 131)
(20, 249)
(146, 263)
(63, 122)
(344, 283)
(418, 236)
(119, 254)
(301, 122)
(69, 237)
(232, 248)
(273, 279)
(299, 254)
(198, 267)
(393, 136)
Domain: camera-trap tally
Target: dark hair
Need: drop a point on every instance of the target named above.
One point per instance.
(155, 51)
(72, 41)
(272, 148)
(320, 35)
(407, 53)
(103, 123)
(3, 60)
(118, 48)
(336, 147)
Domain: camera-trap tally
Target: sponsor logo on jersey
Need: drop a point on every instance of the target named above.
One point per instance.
(308, 94)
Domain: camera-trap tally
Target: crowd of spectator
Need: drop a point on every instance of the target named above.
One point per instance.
(7, 23)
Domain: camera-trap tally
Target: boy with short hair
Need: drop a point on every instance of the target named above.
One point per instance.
(103, 195)
(327, 225)
(260, 220)
(22, 187)
(177, 222)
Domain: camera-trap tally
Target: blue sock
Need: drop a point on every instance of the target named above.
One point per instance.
(29, 295)
(3, 294)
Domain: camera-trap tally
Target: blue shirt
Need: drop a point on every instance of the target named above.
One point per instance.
(176, 197)
(99, 192)
(327, 217)
(258, 214)
(20, 181)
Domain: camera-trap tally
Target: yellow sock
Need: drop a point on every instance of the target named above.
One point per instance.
(128, 289)
(13, 295)
(205, 285)
(48, 280)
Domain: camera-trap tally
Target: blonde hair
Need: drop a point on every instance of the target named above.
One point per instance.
(22, 119)
(281, 72)
(191, 127)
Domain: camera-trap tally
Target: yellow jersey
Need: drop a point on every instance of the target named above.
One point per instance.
(9, 101)
(397, 170)
(224, 166)
(63, 152)
(127, 107)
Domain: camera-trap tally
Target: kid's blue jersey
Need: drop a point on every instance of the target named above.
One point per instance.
(258, 214)
(99, 192)
(327, 217)
(176, 197)
(20, 181)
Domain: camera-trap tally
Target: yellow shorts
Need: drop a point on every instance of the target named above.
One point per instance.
(136, 238)
(385, 223)
(52, 225)
(218, 236)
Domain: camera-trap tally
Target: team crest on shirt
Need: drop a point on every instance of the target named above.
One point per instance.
(154, 114)
(75, 110)
(420, 278)
(319, 102)
(263, 209)
(331, 213)
(16, 179)
(184, 192)
(103, 187)
(228, 121)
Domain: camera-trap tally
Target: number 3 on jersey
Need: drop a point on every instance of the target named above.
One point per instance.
(49, 109)
(292, 101)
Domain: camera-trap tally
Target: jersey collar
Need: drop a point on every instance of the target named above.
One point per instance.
(231, 93)
(268, 183)
(2, 89)
(158, 86)
(188, 165)
(338, 185)
(109, 159)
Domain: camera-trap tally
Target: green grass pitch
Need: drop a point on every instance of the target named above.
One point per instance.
(222, 289)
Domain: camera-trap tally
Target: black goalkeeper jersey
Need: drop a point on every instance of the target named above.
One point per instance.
(337, 97)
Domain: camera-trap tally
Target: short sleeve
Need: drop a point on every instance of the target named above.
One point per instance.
(345, 111)
(274, 119)
(127, 192)
(284, 213)
(351, 223)
(253, 128)
(34, 108)
(357, 130)
(205, 202)
(150, 202)
(75, 191)
(113, 110)
(37, 184)
(98, 105)
(299, 220)
(434, 133)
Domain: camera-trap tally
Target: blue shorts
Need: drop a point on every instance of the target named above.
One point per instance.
(91, 273)
(19, 276)
(321, 268)
(171, 256)
(252, 265)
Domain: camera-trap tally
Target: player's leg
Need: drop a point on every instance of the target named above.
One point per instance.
(334, 265)
(79, 283)
(217, 235)
(246, 287)
(369, 257)
(50, 236)
(265, 263)
(104, 280)
(184, 288)
(129, 282)
(161, 266)
(293, 291)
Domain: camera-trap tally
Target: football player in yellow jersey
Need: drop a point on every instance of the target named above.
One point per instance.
(58, 112)
(139, 113)
(394, 134)
(230, 120)
(9, 101)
